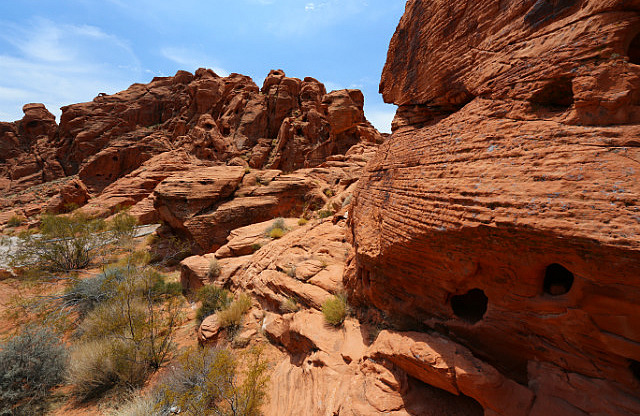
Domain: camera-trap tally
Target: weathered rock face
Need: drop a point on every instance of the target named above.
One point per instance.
(571, 60)
(288, 124)
(510, 224)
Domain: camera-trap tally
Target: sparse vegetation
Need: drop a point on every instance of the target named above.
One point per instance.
(231, 317)
(290, 305)
(325, 213)
(214, 269)
(31, 364)
(212, 299)
(302, 221)
(16, 221)
(208, 382)
(277, 229)
(127, 336)
(256, 246)
(64, 243)
(328, 192)
(335, 310)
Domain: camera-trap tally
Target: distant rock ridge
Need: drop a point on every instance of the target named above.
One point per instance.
(202, 118)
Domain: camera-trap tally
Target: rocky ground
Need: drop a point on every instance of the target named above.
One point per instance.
(488, 249)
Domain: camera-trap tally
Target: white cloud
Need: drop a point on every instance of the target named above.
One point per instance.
(60, 65)
(191, 60)
(381, 118)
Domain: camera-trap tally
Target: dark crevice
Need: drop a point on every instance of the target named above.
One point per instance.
(471, 306)
(634, 50)
(634, 366)
(557, 280)
(557, 95)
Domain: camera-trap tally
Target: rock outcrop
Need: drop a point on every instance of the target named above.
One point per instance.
(503, 212)
(117, 144)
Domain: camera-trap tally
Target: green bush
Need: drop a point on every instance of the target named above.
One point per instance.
(65, 243)
(231, 317)
(214, 269)
(277, 229)
(16, 221)
(335, 310)
(208, 382)
(302, 221)
(127, 337)
(31, 364)
(212, 299)
(325, 213)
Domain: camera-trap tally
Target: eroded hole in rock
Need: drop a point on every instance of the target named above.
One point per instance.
(557, 95)
(557, 280)
(634, 366)
(471, 306)
(634, 50)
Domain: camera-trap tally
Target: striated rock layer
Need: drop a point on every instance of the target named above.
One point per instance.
(503, 212)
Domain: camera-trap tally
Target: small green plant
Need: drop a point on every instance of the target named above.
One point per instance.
(256, 246)
(290, 305)
(31, 364)
(16, 221)
(212, 299)
(214, 269)
(328, 192)
(247, 170)
(335, 310)
(208, 382)
(302, 221)
(277, 229)
(325, 213)
(65, 243)
(231, 317)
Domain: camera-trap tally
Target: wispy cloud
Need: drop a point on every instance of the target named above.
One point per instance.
(60, 64)
(191, 60)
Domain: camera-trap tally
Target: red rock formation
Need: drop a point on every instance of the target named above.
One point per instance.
(288, 124)
(497, 213)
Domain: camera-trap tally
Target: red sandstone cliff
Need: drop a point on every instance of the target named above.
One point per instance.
(503, 212)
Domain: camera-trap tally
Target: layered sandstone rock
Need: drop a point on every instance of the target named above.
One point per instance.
(115, 144)
(497, 213)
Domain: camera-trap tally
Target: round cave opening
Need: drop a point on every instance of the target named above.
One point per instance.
(471, 306)
(558, 280)
(634, 50)
(634, 366)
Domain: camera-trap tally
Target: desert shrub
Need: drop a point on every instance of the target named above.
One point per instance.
(65, 243)
(31, 364)
(328, 192)
(16, 221)
(132, 332)
(277, 229)
(302, 221)
(85, 294)
(214, 269)
(291, 271)
(169, 251)
(290, 305)
(143, 406)
(123, 226)
(256, 246)
(207, 382)
(92, 369)
(335, 310)
(212, 299)
(231, 317)
(325, 213)
(276, 233)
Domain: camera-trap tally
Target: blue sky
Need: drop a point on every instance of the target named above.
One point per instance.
(60, 52)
